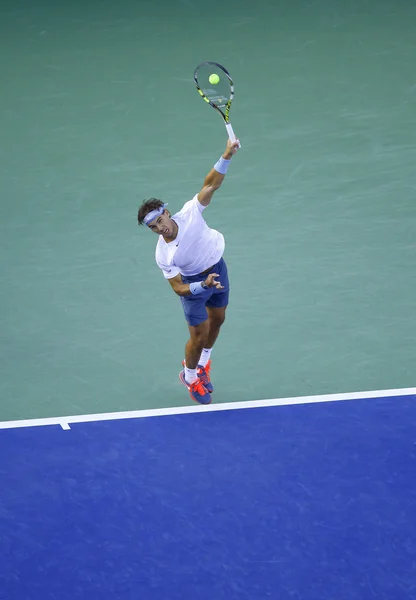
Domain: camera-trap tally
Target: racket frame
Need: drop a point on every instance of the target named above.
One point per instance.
(225, 115)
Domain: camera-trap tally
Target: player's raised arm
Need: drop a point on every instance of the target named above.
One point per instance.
(216, 176)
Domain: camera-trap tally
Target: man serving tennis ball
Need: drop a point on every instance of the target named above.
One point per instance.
(190, 256)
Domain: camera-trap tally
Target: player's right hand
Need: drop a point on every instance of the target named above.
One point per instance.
(211, 282)
(231, 148)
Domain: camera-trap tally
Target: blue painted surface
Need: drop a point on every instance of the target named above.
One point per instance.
(308, 502)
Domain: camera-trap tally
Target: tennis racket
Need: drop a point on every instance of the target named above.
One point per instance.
(216, 87)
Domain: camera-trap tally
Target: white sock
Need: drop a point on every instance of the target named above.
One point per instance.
(205, 356)
(190, 375)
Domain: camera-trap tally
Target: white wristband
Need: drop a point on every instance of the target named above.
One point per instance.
(222, 165)
(196, 288)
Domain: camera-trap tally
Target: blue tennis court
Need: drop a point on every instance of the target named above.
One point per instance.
(310, 499)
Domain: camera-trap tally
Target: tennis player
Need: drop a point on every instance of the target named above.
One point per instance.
(190, 255)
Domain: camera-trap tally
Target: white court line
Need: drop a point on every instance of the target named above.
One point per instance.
(64, 422)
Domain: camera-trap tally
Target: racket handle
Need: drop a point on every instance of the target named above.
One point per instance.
(231, 133)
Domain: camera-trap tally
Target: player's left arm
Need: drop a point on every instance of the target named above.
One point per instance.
(214, 178)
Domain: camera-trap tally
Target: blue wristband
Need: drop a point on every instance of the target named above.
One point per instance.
(196, 288)
(222, 165)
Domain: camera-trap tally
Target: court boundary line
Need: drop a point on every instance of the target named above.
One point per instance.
(66, 421)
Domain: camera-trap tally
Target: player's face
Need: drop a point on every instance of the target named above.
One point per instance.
(163, 225)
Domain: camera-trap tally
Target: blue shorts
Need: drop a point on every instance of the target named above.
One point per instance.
(194, 307)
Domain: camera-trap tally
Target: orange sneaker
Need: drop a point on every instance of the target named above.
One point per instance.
(204, 376)
(197, 390)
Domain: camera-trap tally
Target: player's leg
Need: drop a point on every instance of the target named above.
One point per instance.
(198, 326)
(205, 314)
(216, 318)
(216, 306)
(199, 339)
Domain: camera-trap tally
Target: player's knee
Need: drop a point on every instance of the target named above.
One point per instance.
(217, 320)
(199, 337)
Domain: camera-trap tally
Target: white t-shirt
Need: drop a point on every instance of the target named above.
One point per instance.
(196, 247)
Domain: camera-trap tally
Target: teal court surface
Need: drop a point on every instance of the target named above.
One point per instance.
(298, 482)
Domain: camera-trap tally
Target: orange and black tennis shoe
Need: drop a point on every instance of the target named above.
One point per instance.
(204, 375)
(197, 390)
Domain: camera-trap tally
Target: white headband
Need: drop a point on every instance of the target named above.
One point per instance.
(155, 213)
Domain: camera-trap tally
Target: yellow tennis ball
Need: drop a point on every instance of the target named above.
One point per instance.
(214, 79)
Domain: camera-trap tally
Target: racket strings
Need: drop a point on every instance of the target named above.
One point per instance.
(220, 93)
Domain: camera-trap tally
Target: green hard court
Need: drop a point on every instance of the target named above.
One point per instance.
(99, 111)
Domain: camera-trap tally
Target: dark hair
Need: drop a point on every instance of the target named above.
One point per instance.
(147, 207)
